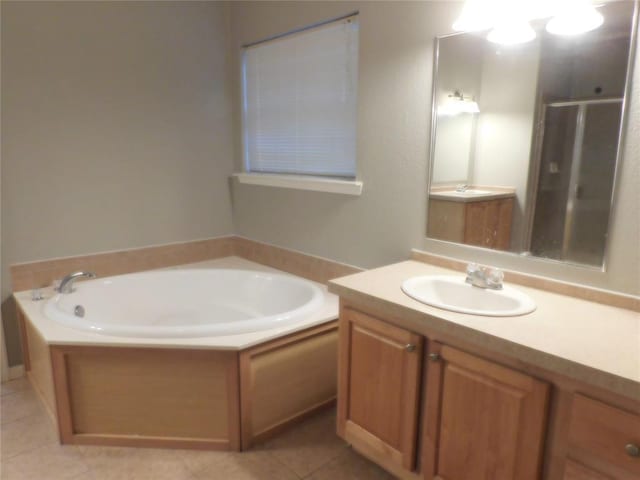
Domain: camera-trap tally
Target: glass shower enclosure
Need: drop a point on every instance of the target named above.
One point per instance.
(578, 153)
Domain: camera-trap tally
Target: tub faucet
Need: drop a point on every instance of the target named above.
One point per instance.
(66, 284)
(484, 277)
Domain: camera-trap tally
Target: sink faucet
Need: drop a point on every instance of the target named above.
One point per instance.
(461, 188)
(484, 277)
(66, 284)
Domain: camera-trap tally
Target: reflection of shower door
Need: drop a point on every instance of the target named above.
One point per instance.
(577, 166)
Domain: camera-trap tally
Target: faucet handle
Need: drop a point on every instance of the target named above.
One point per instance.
(495, 277)
(473, 268)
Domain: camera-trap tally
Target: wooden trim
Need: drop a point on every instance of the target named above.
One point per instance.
(344, 353)
(292, 420)
(150, 442)
(24, 341)
(377, 448)
(291, 338)
(233, 407)
(65, 413)
(431, 416)
(246, 381)
(248, 432)
(377, 451)
(591, 294)
(63, 402)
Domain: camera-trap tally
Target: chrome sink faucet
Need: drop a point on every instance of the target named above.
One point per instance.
(484, 277)
(461, 188)
(66, 284)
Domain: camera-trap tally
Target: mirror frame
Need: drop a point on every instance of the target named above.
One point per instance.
(535, 145)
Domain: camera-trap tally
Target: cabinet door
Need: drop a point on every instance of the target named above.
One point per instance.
(483, 421)
(575, 471)
(379, 380)
(488, 224)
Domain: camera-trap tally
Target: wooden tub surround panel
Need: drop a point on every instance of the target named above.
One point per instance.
(38, 366)
(182, 398)
(286, 380)
(147, 397)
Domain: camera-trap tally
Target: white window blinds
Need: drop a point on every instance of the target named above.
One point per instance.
(299, 102)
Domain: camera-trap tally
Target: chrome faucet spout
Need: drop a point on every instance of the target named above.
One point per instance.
(484, 277)
(66, 284)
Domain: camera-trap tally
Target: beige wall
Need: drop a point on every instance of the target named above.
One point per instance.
(394, 92)
(117, 120)
(116, 128)
(396, 45)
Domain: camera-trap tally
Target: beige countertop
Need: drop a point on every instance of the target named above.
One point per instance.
(586, 341)
(55, 333)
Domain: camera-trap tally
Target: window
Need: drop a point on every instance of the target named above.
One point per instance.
(299, 102)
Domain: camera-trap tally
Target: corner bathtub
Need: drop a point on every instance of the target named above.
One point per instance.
(185, 303)
(216, 355)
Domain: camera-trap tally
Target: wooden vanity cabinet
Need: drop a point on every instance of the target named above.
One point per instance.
(482, 223)
(481, 420)
(603, 441)
(378, 389)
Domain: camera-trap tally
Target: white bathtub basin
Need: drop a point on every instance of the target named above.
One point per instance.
(451, 292)
(186, 303)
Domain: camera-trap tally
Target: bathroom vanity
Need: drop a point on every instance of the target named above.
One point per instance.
(482, 219)
(432, 394)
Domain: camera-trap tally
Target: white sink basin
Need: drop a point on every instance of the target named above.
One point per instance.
(470, 192)
(450, 292)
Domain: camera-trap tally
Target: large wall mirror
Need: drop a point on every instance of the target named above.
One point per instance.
(526, 138)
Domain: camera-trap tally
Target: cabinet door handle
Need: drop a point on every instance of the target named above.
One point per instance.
(632, 449)
(434, 357)
(410, 347)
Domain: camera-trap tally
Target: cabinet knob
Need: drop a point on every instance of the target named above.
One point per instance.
(410, 347)
(434, 357)
(632, 449)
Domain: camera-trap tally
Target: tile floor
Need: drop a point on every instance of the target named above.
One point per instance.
(30, 451)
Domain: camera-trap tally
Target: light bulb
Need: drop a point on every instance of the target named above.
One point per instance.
(577, 18)
(476, 15)
(512, 33)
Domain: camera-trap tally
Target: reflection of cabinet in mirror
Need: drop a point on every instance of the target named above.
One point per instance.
(481, 220)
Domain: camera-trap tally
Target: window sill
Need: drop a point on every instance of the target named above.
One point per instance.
(301, 182)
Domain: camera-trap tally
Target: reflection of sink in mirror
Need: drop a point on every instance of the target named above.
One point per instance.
(469, 192)
(451, 292)
(480, 215)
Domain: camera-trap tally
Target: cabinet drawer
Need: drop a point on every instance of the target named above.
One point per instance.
(605, 432)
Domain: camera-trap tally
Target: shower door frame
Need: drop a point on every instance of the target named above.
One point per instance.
(576, 161)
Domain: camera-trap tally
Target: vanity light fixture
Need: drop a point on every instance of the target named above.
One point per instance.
(477, 15)
(512, 33)
(509, 19)
(458, 103)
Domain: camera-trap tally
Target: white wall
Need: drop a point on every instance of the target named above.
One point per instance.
(117, 128)
(394, 97)
(505, 124)
(396, 45)
(460, 65)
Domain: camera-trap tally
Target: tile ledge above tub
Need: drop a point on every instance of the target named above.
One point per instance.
(301, 182)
